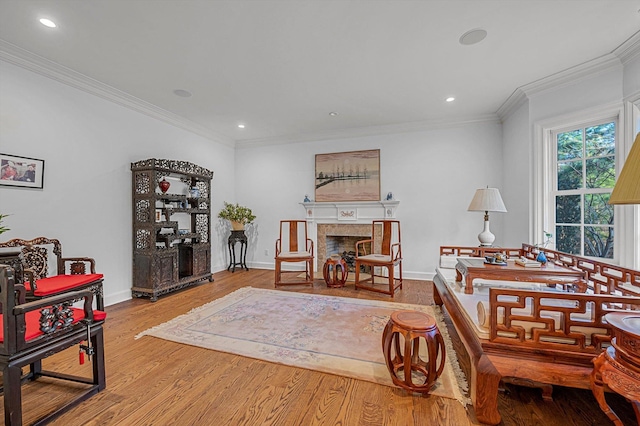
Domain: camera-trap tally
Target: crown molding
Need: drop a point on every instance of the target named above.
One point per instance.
(621, 55)
(569, 76)
(35, 63)
(415, 126)
(629, 50)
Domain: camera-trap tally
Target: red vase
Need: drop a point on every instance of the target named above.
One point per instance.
(164, 185)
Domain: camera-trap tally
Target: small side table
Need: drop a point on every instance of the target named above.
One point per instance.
(402, 364)
(330, 272)
(237, 237)
(619, 366)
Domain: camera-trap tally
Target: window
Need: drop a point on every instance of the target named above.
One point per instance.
(584, 175)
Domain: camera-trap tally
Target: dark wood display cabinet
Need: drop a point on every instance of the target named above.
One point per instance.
(171, 226)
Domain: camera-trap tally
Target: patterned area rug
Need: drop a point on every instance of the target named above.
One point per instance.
(335, 335)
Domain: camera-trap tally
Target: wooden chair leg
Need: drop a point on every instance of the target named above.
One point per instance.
(12, 395)
(278, 278)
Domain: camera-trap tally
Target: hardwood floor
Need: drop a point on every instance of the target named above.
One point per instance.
(156, 382)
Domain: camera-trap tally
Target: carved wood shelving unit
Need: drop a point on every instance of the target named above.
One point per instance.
(172, 230)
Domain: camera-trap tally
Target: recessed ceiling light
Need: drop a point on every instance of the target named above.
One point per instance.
(450, 99)
(333, 114)
(48, 23)
(182, 93)
(240, 126)
(473, 36)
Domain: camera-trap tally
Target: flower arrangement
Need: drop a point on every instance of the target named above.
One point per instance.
(3, 228)
(236, 213)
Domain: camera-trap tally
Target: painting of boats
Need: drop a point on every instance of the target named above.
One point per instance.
(348, 176)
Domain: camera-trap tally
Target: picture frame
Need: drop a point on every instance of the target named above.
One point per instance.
(348, 176)
(24, 172)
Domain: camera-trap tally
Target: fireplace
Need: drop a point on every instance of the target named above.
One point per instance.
(338, 238)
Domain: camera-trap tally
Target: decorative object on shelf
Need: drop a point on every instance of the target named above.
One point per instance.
(306, 198)
(164, 185)
(238, 215)
(389, 196)
(194, 192)
(542, 258)
(487, 200)
(627, 187)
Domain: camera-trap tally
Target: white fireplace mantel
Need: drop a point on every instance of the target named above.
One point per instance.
(353, 211)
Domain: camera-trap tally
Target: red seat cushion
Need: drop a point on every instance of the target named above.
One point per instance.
(32, 318)
(59, 283)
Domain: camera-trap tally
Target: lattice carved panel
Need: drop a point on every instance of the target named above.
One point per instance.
(142, 211)
(142, 183)
(143, 239)
(36, 259)
(202, 227)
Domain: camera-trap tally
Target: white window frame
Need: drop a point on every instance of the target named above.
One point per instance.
(582, 191)
(626, 230)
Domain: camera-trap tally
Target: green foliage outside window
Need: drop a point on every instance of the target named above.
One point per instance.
(585, 178)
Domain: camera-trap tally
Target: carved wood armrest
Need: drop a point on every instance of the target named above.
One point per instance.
(310, 245)
(29, 275)
(80, 268)
(362, 243)
(396, 251)
(70, 297)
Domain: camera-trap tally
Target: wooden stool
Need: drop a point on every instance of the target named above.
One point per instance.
(406, 365)
(619, 366)
(330, 272)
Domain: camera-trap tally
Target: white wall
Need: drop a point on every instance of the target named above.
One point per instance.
(516, 175)
(433, 174)
(88, 145)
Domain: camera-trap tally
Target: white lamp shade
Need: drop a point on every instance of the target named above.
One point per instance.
(487, 200)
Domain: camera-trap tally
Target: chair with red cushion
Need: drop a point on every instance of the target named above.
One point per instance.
(31, 260)
(32, 331)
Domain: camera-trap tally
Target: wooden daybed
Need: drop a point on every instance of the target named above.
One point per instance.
(531, 334)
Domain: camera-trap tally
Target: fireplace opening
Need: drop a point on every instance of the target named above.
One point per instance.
(341, 238)
(345, 246)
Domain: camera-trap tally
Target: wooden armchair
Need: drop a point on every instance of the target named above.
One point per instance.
(382, 251)
(294, 245)
(32, 259)
(35, 330)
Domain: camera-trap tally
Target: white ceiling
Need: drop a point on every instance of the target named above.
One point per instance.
(281, 67)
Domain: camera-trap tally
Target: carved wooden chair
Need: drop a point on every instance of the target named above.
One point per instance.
(32, 260)
(32, 331)
(294, 245)
(379, 254)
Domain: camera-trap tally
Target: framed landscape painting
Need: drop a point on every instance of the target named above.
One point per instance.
(21, 171)
(348, 176)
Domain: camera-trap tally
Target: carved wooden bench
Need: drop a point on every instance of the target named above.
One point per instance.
(32, 331)
(534, 336)
(32, 260)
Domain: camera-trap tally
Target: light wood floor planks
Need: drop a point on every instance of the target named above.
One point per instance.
(155, 382)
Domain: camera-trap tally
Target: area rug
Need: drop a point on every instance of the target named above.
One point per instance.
(336, 335)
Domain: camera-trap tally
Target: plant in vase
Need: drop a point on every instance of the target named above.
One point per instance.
(542, 258)
(238, 215)
(3, 229)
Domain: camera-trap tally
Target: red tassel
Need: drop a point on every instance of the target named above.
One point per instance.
(81, 355)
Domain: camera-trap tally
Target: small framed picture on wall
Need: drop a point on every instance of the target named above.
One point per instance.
(24, 172)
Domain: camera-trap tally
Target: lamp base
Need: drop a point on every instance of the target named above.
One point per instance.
(486, 237)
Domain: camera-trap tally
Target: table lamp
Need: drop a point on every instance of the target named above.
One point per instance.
(487, 200)
(627, 188)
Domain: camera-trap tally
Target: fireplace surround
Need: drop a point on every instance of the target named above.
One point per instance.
(349, 219)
